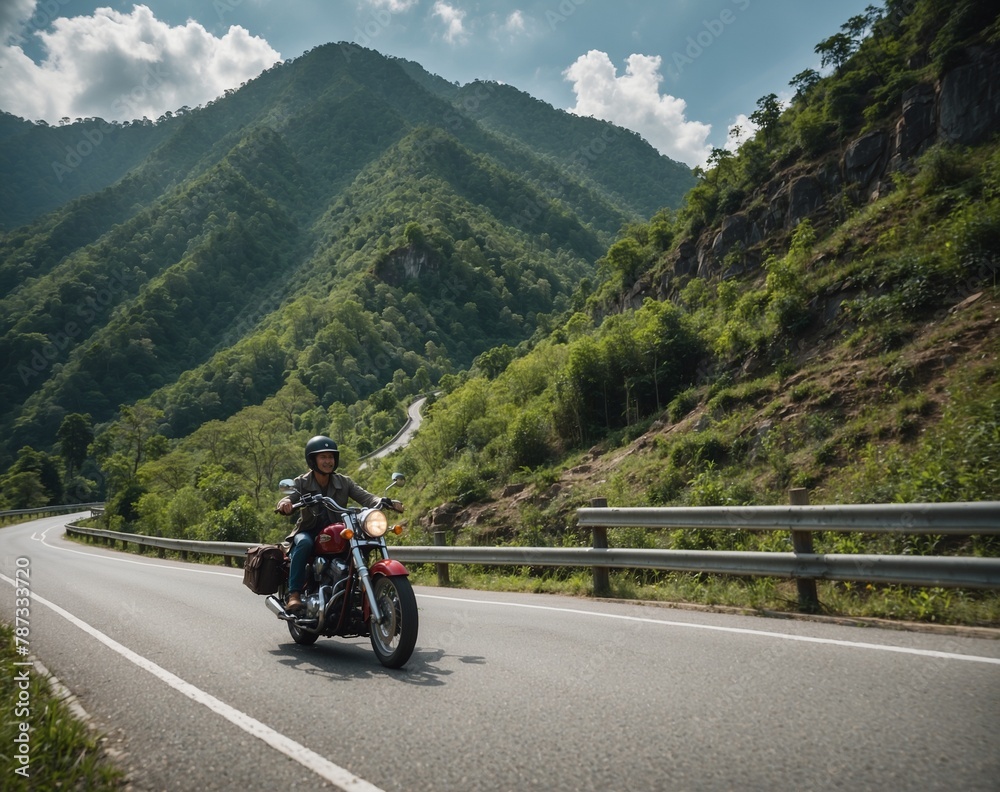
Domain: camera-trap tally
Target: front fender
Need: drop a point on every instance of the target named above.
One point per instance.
(389, 567)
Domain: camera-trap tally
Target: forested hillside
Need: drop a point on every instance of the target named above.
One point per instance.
(823, 312)
(333, 225)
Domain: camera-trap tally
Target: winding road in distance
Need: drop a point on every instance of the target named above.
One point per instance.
(413, 421)
(200, 687)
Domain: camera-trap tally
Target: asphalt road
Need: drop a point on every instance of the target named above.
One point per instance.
(198, 686)
(413, 421)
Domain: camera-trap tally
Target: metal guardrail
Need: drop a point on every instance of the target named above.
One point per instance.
(980, 518)
(64, 508)
(944, 571)
(228, 550)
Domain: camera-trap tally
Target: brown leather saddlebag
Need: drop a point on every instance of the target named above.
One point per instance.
(263, 570)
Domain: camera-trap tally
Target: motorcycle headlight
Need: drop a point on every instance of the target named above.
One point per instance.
(375, 524)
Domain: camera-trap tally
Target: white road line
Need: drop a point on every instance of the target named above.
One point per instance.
(43, 539)
(689, 625)
(736, 630)
(342, 778)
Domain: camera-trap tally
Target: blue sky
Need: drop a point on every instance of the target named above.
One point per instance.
(678, 72)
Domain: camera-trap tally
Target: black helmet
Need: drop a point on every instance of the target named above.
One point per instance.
(319, 444)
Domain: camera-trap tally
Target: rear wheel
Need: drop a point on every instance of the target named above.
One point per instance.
(301, 636)
(393, 640)
(298, 635)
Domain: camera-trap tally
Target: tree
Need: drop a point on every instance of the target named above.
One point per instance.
(414, 235)
(75, 435)
(24, 491)
(720, 160)
(804, 81)
(857, 27)
(139, 425)
(122, 449)
(259, 445)
(493, 361)
(766, 115)
(43, 471)
(625, 257)
(661, 230)
(835, 50)
(527, 439)
(585, 396)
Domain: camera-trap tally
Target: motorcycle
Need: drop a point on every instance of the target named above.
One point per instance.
(353, 588)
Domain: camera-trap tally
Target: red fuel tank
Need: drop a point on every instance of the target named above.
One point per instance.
(329, 541)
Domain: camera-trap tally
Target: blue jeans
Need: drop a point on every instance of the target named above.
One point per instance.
(302, 547)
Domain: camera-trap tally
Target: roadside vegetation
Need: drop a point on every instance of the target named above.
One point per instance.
(65, 753)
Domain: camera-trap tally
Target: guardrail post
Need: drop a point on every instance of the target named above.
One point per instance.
(602, 583)
(442, 569)
(802, 542)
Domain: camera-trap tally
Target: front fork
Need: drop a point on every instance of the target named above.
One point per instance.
(366, 582)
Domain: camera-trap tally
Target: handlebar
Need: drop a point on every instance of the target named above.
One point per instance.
(314, 499)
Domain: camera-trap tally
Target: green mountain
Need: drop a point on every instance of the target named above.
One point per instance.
(342, 221)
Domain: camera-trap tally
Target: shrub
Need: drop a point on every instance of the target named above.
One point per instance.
(150, 508)
(185, 512)
(527, 439)
(238, 521)
(813, 131)
(698, 449)
(465, 482)
(124, 503)
(682, 404)
(940, 167)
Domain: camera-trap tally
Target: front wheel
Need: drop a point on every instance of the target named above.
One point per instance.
(393, 640)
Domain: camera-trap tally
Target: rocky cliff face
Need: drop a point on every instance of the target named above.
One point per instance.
(962, 108)
(403, 264)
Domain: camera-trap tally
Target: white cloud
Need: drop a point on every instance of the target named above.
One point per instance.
(515, 23)
(454, 20)
(124, 66)
(515, 28)
(14, 16)
(633, 101)
(393, 6)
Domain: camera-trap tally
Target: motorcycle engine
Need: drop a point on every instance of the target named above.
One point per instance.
(329, 571)
(312, 605)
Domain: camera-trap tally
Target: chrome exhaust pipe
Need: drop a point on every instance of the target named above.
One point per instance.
(274, 605)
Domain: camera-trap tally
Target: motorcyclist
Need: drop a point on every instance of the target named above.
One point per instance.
(323, 458)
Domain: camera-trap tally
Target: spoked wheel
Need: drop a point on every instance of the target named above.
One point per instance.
(393, 640)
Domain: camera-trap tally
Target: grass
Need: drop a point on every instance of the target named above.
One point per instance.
(64, 752)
